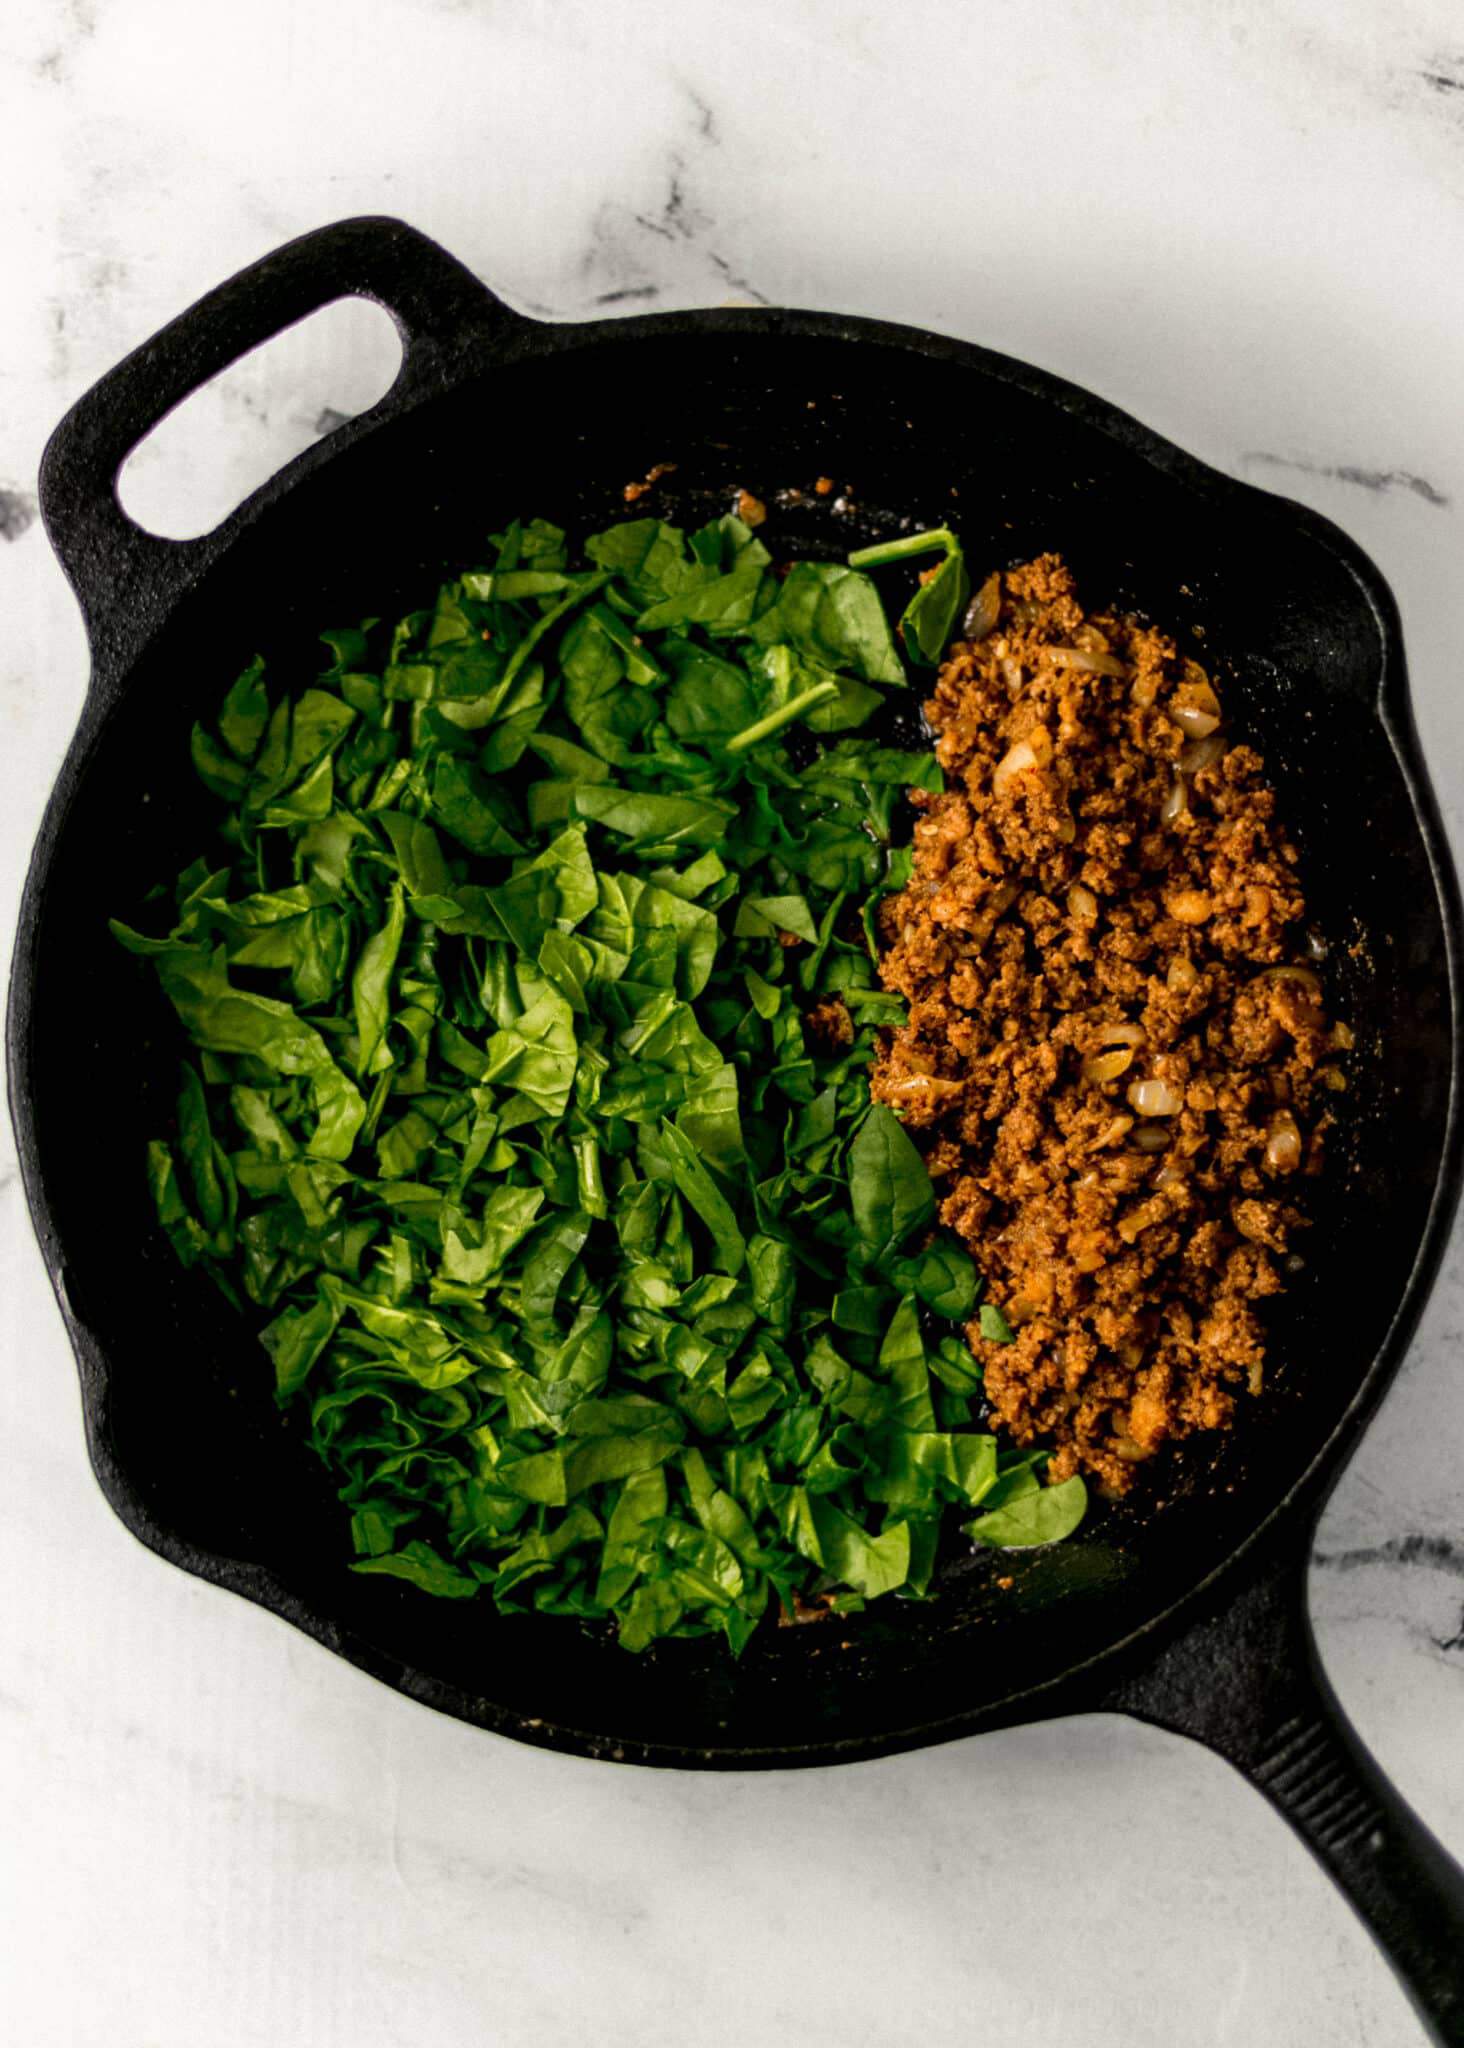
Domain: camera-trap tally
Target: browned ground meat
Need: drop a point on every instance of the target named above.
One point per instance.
(1114, 1060)
(830, 1023)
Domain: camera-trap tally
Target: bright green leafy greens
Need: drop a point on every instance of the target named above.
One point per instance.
(531, 994)
(929, 619)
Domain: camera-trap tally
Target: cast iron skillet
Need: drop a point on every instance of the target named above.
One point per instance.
(1189, 1611)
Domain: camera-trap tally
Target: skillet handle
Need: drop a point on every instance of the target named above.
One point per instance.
(123, 577)
(1247, 1683)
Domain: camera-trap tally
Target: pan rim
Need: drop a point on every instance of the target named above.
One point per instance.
(1293, 1515)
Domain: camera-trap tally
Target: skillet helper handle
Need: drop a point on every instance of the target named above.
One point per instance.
(124, 577)
(1247, 1682)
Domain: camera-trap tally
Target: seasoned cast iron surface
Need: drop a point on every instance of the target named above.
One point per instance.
(186, 1436)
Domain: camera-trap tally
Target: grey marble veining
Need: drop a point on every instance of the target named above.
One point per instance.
(1243, 223)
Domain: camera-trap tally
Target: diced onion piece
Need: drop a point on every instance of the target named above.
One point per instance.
(1194, 706)
(923, 1088)
(1198, 755)
(1016, 761)
(1301, 976)
(1151, 1137)
(1182, 975)
(1033, 751)
(1120, 1033)
(1143, 1218)
(1176, 803)
(1082, 658)
(1188, 906)
(1168, 1176)
(1155, 1098)
(1283, 1143)
(1082, 904)
(1107, 1066)
(1195, 725)
(984, 609)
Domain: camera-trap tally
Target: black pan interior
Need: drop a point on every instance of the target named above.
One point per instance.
(1255, 590)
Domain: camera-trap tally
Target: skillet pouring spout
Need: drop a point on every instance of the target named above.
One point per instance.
(1189, 1613)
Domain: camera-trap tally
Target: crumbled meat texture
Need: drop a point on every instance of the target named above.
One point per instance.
(651, 478)
(805, 1610)
(830, 1023)
(1072, 928)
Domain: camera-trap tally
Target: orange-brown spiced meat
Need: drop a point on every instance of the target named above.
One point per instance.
(1116, 1059)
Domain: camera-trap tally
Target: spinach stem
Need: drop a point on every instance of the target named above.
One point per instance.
(552, 617)
(784, 715)
(900, 550)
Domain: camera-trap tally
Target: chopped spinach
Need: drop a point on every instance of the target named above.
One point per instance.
(994, 1326)
(601, 1284)
(1037, 1514)
(929, 619)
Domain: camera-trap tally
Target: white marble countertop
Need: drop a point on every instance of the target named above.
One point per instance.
(1242, 222)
